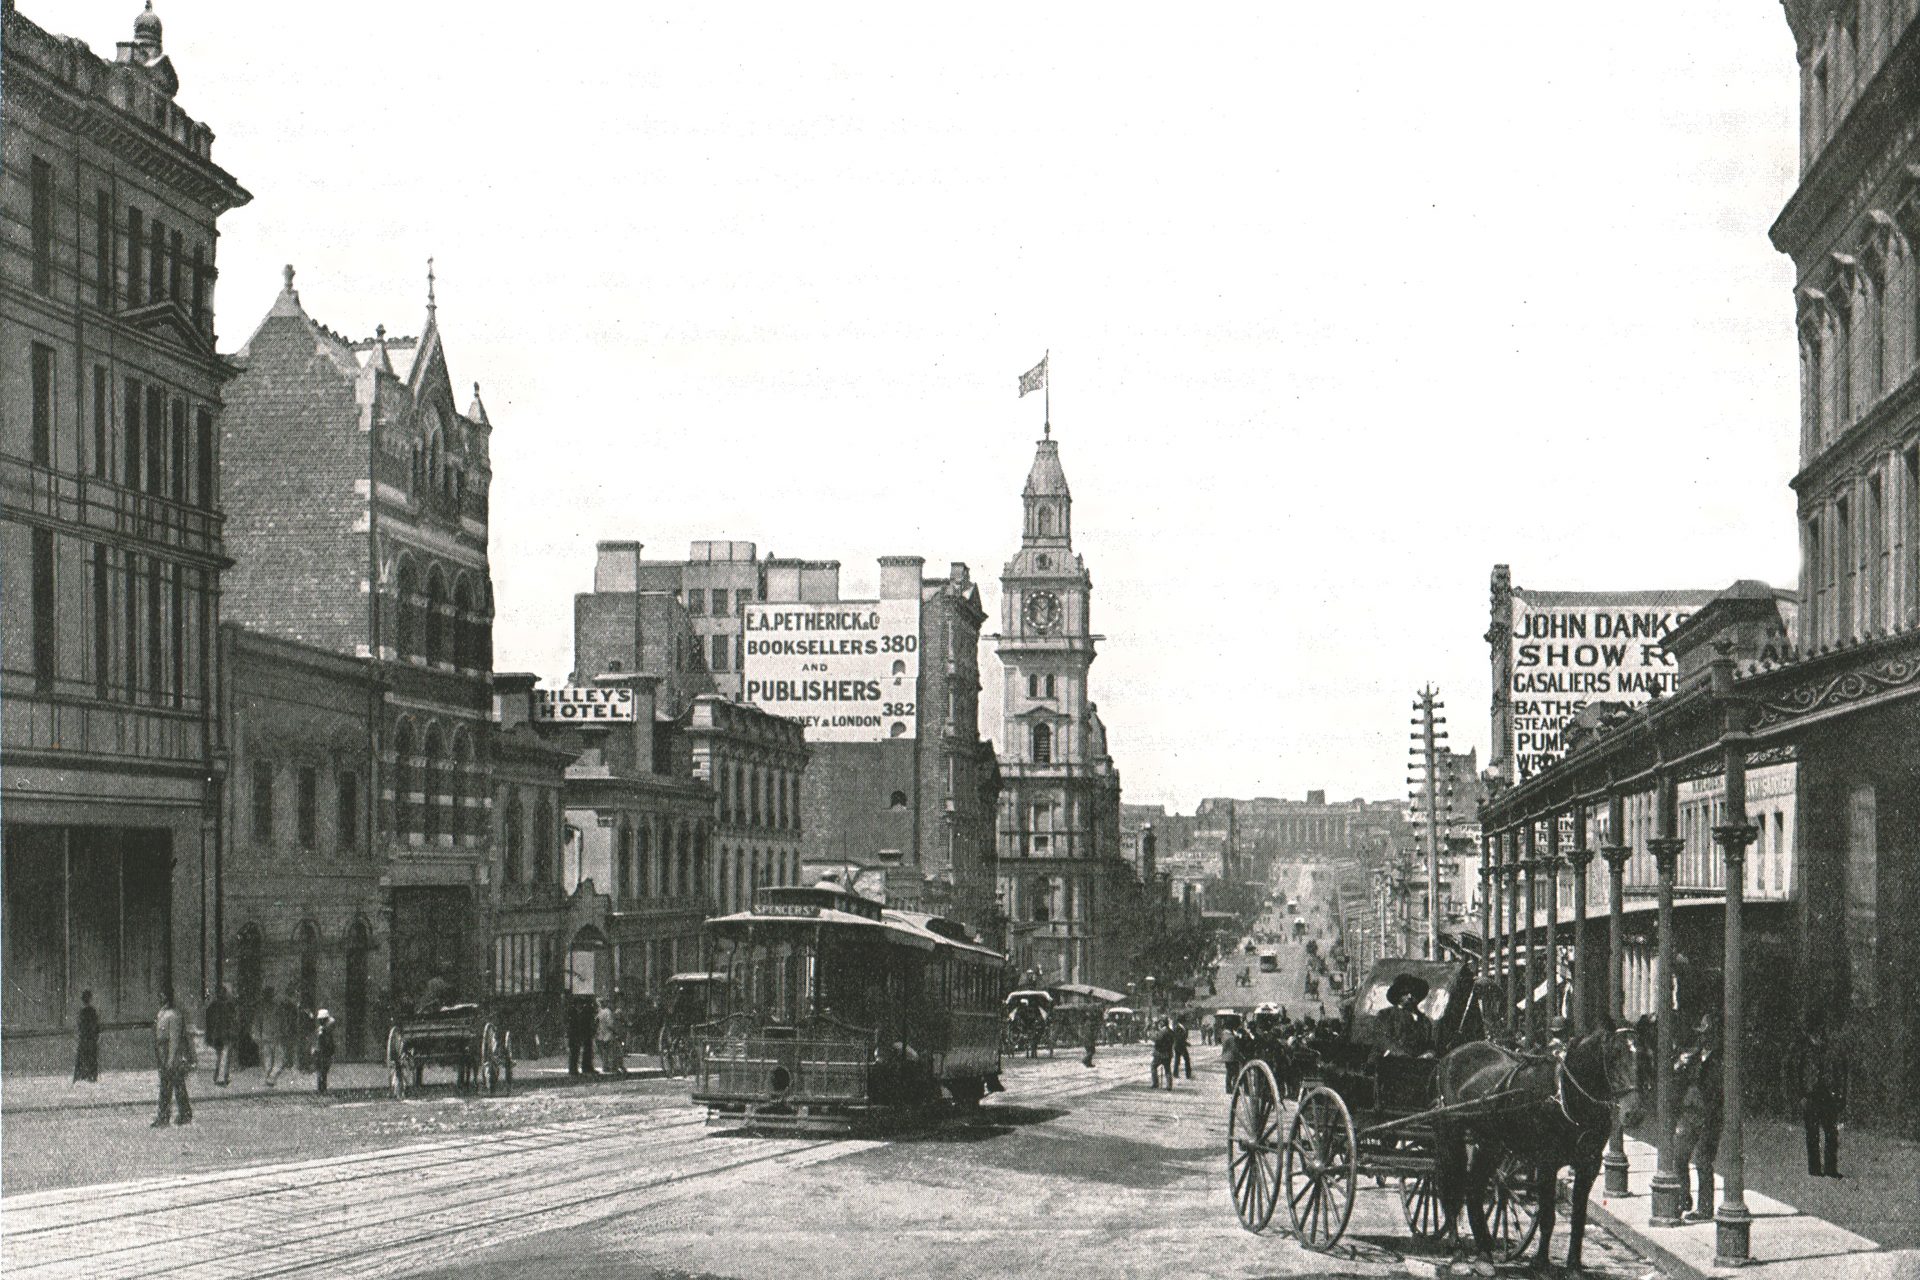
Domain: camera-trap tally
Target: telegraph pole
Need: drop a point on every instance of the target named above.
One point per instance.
(1427, 733)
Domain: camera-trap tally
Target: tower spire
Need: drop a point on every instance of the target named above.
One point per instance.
(431, 306)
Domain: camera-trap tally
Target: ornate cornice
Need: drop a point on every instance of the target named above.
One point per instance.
(1895, 674)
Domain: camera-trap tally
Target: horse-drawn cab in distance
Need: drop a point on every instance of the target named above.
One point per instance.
(465, 1037)
(1120, 1025)
(834, 1009)
(689, 1000)
(1029, 1024)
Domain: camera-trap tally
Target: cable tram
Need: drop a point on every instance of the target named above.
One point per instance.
(835, 1009)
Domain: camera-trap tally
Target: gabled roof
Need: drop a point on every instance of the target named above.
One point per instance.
(166, 320)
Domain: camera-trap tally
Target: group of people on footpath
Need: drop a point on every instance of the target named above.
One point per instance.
(603, 1029)
(1170, 1052)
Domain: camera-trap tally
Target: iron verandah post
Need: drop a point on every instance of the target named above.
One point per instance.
(1616, 851)
(1668, 1186)
(1733, 1225)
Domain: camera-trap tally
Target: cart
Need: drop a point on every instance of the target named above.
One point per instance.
(1365, 1110)
(462, 1036)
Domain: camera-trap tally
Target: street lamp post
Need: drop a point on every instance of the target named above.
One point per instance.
(1668, 1185)
(1616, 852)
(1732, 1224)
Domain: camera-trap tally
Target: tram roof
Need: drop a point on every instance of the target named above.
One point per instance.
(911, 928)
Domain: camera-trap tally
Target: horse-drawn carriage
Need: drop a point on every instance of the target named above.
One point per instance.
(465, 1037)
(1029, 1024)
(1366, 1109)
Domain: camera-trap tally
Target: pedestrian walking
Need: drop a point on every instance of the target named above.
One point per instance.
(1090, 1035)
(323, 1048)
(86, 1041)
(1819, 1069)
(223, 1029)
(172, 1059)
(1700, 1077)
(580, 1028)
(266, 1034)
(1182, 1057)
(603, 1034)
(1163, 1054)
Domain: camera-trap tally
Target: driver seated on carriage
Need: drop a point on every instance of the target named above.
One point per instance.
(1406, 1031)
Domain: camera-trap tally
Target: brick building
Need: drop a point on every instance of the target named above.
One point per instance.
(110, 537)
(357, 520)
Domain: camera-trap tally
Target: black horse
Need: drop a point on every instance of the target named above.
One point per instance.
(1549, 1113)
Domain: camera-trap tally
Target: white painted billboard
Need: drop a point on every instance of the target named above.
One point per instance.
(848, 671)
(1566, 649)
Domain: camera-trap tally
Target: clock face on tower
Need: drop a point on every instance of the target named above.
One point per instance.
(1043, 612)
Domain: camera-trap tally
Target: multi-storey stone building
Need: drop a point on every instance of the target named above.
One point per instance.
(111, 550)
(1065, 882)
(357, 520)
(753, 764)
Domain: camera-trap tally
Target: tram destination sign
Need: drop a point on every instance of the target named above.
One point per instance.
(583, 705)
(848, 671)
(1554, 652)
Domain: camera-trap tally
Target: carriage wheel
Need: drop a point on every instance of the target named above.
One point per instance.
(1320, 1168)
(1253, 1146)
(490, 1059)
(396, 1065)
(1513, 1211)
(1420, 1205)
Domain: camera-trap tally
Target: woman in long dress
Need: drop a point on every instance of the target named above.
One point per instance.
(86, 1047)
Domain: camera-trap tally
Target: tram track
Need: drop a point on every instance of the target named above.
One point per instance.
(388, 1212)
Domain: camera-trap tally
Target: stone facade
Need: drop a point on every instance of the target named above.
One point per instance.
(111, 552)
(753, 764)
(1065, 882)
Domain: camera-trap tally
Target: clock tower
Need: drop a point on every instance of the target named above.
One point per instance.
(1060, 797)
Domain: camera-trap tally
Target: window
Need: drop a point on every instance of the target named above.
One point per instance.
(1043, 744)
(719, 603)
(719, 647)
(431, 813)
(204, 495)
(43, 643)
(1843, 368)
(514, 866)
(1047, 685)
(1843, 567)
(436, 616)
(177, 452)
(175, 261)
(406, 782)
(741, 599)
(100, 386)
(156, 260)
(406, 591)
(156, 441)
(543, 840)
(696, 601)
(136, 256)
(102, 621)
(897, 801)
(177, 632)
(200, 288)
(130, 436)
(263, 801)
(130, 620)
(307, 810)
(42, 226)
(1874, 606)
(346, 820)
(1910, 520)
(42, 404)
(739, 653)
(103, 250)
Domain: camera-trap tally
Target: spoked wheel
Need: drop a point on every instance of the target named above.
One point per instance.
(1513, 1211)
(1320, 1168)
(1421, 1206)
(1253, 1145)
(399, 1072)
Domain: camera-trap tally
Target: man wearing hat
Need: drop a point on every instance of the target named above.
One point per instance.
(1407, 1030)
(323, 1047)
(1699, 1076)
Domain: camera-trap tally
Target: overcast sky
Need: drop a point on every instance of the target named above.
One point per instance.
(1342, 312)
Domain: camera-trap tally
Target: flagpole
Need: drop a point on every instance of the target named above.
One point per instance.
(1046, 387)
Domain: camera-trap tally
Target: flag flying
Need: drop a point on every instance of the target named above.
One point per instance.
(1035, 378)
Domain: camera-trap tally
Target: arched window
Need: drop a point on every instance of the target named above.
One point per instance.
(514, 866)
(436, 615)
(897, 801)
(1040, 900)
(407, 593)
(406, 781)
(1043, 744)
(483, 625)
(464, 819)
(435, 777)
(1045, 527)
(464, 648)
